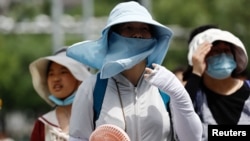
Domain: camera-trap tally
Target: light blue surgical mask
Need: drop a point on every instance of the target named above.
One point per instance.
(65, 102)
(220, 66)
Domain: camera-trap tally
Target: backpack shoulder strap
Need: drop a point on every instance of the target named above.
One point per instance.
(248, 82)
(98, 95)
(165, 97)
(198, 103)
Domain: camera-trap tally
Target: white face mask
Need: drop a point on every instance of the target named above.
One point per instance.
(220, 66)
(124, 53)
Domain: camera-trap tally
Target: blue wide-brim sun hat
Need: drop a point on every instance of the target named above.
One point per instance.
(93, 52)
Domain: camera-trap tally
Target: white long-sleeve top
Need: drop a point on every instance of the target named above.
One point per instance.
(146, 117)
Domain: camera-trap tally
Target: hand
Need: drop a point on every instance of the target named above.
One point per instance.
(163, 79)
(149, 71)
(198, 58)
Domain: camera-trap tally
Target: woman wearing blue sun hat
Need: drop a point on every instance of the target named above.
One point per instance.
(128, 55)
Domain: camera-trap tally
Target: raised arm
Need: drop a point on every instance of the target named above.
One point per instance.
(181, 104)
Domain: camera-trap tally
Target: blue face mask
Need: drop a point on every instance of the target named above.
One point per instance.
(220, 66)
(124, 53)
(60, 102)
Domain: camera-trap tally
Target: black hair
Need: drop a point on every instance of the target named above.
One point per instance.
(200, 29)
(63, 49)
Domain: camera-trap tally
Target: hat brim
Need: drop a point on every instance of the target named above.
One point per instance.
(92, 52)
(160, 29)
(38, 70)
(212, 35)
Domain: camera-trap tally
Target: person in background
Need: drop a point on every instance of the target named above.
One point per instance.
(178, 71)
(187, 72)
(56, 79)
(218, 59)
(131, 42)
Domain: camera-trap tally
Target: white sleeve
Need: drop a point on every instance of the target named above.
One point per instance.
(187, 124)
(81, 121)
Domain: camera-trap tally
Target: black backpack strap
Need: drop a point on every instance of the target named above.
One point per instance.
(248, 83)
(198, 103)
(98, 95)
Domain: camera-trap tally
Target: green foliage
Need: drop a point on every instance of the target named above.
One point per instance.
(102, 8)
(17, 52)
(72, 38)
(176, 55)
(185, 13)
